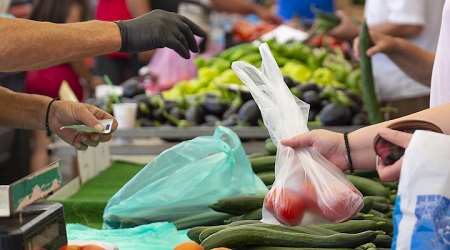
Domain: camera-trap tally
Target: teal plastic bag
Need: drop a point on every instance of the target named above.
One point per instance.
(183, 180)
(155, 236)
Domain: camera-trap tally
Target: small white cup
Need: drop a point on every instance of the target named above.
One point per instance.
(125, 114)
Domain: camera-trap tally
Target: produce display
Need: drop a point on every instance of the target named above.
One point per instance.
(326, 79)
(371, 228)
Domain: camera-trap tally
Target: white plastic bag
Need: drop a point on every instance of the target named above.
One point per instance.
(422, 209)
(308, 188)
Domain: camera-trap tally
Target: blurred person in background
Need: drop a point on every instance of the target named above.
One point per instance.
(419, 22)
(288, 10)
(20, 8)
(118, 66)
(48, 81)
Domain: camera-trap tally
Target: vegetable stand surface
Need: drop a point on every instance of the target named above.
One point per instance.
(87, 205)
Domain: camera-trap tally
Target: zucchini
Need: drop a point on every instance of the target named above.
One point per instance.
(238, 205)
(377, 213)
(369, 95)
(369, 187)
(322, 231)
(243, 222)
(194, 233)
(368, 203)
(210, 218)
(242, 236)
(268, 178)
(263, 164)
(353, 226)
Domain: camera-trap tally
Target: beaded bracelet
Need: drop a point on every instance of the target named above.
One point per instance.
(47, 127)
(349, 156)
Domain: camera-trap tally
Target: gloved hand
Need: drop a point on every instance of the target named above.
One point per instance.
(159, 29)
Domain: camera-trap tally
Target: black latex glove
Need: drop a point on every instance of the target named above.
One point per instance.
(159, 29)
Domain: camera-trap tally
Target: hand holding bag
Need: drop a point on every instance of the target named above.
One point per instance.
(308, 188)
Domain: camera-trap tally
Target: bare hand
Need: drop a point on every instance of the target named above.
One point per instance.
(330, 144)
(402, 139)
(382, 44)
(64, 113)
(347, 29)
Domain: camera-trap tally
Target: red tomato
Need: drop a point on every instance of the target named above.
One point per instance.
(337, 206)
(286, 205)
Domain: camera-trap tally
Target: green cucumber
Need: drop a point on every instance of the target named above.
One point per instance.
(194, 233)
(290, 248)
(238, 205)
(368, 203)
(369, 95)
(253, 215)
(369, 187)
(270, 146)
(383, 240)
(242, 236)
(268, 178)
(263, 163)
(209, 231)
(210, 218)
(353, 226)
(257, 155)
(381, 207)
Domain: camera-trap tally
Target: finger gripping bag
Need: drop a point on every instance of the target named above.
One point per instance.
(308, 189)
(183, 180)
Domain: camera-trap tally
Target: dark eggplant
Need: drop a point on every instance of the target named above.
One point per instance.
(234, 107)
(211, 119)
(308, 86)
(132, 87)
(214, 106)
(312, 114)
(289, 82)
(250, 113)
(177, 113)
(232, 120)
(195, 114)
(360, 119)
(311, 97)
(335, 114)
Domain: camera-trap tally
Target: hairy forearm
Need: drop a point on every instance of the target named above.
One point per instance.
(22, 110)
(53, 43)
(407, 57)
(361, 141)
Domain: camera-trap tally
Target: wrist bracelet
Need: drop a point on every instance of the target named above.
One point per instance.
(47, 127)
(349, 156)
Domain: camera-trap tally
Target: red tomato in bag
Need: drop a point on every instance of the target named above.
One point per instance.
(337, 206)
(286, 205)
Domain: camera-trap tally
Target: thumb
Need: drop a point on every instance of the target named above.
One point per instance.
(401, 139)
(88, 119)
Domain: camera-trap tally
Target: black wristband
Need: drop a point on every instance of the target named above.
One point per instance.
(349, 156)
(47, 127)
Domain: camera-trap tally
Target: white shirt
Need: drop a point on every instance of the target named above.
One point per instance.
(440, 81)
(391, 83)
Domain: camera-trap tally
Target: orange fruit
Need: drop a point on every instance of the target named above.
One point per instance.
(188, 245)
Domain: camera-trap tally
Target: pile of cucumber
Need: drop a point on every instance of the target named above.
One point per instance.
(241, 228)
